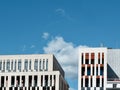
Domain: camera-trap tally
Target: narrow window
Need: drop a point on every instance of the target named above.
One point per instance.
(43, 64)
(36, 65)
(8, 65)
(82, 58)
(3, 65)
(12, 65)
(98, 58)
(30, 65)
(15, 66)
(0, 65)
(26, 65)
(19, 65)
(40, 65)
(47, 65)
(92, 58)
(87, 58)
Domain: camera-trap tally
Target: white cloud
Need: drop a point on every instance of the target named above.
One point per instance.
(66, 54)
(45, 35)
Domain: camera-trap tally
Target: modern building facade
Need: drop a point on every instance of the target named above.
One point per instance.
(99, 69)
(31, 72)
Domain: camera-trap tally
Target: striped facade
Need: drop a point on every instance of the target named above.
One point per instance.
(31, 72)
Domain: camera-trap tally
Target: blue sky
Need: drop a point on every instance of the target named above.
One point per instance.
(32, 26)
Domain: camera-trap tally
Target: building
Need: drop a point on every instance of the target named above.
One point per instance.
(31, 72)
(99, 69)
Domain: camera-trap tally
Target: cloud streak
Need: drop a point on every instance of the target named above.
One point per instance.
(45, 35)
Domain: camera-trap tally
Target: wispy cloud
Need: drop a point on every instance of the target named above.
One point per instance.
(62, 12)
(66, 53)
(45, 35)
(32, 46)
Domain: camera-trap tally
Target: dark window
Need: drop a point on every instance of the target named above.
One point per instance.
(86, 82)
(98, 82)
(19, 65)
(36, 65)
(26, 65)
(88, 71)
(0, 65)
(30, 65)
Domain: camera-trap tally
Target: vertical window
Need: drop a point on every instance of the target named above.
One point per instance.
(30, 65)
(86, 58)
(36, 64)
(82, 58)
(40, 65)
(81, 82)
(86, 82)
(98, 58)
(97, 82)
(96, 70)
(92, 58)
(88, 70)
(15, 66)
(43, 64)
(3, 65)
(8, 65)
(46, 80)
(19, 65)
(26, 65)
(12, 65)
(101, 70)
(50, 80)
(102, 58)
(47, 65)
(0, 65)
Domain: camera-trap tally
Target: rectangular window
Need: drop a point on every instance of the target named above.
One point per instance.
(19, 65)
(40, 66)
(88, 71)
(36, 65)
(92, 58)
(8, 65)
(47, 65)
(0, 65)
(3, 65)
(102, 58)
(98, 58)
(26, 65)
(97, 71)
(30, 65)
(86, 82)
(12, 65)
(82, 58)
(101, 71)
(43, 64)
(15, 66)
(86, 58)
(98, 82)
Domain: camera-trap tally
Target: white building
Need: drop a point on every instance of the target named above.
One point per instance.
(92, 69)
(99, 69)
(31, 72)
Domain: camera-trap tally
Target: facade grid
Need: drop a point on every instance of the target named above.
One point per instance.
(31, 72)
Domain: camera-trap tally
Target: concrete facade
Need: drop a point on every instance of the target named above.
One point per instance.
(31, 72)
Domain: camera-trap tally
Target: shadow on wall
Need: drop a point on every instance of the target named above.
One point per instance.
(110, 73)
